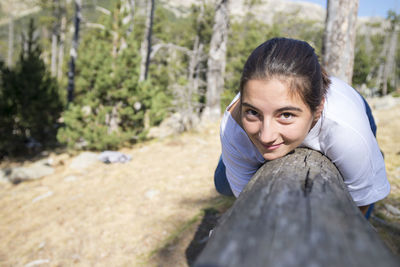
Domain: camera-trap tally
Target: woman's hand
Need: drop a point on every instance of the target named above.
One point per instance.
(364, 209)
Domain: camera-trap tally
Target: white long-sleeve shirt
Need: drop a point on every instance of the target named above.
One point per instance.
(343, 134)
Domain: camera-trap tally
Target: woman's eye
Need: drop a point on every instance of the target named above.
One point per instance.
(286, 116)
(251, 112)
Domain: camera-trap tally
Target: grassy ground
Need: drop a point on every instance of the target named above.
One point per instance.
(387, 213)
(110, 214)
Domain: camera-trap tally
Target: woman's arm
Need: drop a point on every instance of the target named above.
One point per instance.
(235, 112)
(359, 160)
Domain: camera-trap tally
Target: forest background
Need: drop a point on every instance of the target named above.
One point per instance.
(124, 82)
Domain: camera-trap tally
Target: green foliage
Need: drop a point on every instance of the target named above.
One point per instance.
(110, 108)
(362, 65)
(291, 26)
(170, 67)
(244, 37)
(30, 101)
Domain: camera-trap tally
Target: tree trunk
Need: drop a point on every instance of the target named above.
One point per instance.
(197, 55)
(381, 66)
(145, 48)
(216, 62)
(74, 51)
(339, 38)
(113, 119)
(129, 7)
(127, 10)
(295, 211)
(194, 66)
(192, 87)
(54, 54)
(54, 37)
(63, 28)
(389, 67)
(116, 36)
(10, 41)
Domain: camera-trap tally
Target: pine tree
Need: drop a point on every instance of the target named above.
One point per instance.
(30, 100)
(109, 104)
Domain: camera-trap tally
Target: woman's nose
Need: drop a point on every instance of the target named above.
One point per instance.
(268, 133)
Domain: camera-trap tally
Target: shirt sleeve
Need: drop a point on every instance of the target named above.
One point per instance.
(239, 169)
(240, 156)
(359, 160)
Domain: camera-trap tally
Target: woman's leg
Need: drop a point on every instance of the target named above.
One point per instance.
(373, 129)
(369, 211)
(370, 117)
(220, 180)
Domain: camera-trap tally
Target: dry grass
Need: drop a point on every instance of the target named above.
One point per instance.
(109, 215)
(388, 122)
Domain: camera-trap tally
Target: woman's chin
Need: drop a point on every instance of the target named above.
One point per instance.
(271, 155)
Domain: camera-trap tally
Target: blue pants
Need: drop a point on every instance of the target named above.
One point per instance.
(222, 184)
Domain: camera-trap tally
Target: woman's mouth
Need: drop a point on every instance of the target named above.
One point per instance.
(272, 147)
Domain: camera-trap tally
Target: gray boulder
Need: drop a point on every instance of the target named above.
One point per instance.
(83, 161)
(21, 174)
(4, 173)
(173, 125)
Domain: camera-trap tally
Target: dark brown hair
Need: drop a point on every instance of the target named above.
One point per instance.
(291, 61)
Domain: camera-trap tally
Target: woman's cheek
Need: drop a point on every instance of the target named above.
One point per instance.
(250, 127)
(297, 131)
(291, 132)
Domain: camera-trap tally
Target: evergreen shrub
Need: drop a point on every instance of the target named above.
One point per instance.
(30, 103)
(111, 108)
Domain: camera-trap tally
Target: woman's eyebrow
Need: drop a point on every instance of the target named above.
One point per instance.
(248, 105)
(289, 108)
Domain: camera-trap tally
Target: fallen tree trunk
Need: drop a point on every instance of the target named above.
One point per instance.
(296, 211)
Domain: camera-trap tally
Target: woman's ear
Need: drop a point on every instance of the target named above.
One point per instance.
(318, 111)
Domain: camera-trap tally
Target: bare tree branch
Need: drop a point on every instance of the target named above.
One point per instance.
(158, 47)
(103, 10)
(95, 25)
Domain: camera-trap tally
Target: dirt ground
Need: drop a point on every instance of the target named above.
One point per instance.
(155, 210)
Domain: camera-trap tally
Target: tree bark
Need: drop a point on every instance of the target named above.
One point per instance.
(103, 10)
(339, 38)
(381, 66)
(295, 211)
(54, 53)
(63, 28)
(55, 37)
(10, 41)
(74, 51)
(216, 62)
(128, 6)
(113, 119)
(145, 48)
(116, 36)
(192, 87)
(389, 67)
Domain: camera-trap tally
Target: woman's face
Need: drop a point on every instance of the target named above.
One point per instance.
(275, 121)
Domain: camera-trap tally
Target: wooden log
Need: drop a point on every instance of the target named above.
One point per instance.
(296, 211)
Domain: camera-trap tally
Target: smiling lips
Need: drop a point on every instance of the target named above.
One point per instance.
(272, 147)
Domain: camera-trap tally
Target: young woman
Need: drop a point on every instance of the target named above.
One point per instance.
(286, 100)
